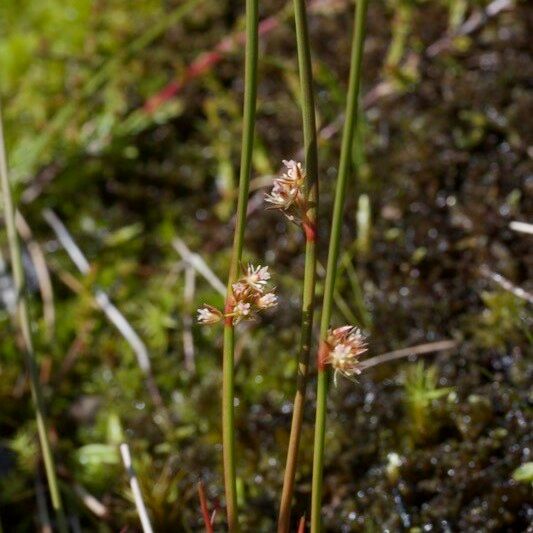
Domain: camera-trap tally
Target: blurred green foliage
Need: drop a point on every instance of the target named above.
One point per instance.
(70, 71)
(504, 320)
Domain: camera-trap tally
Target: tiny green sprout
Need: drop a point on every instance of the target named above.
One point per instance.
(421, 387)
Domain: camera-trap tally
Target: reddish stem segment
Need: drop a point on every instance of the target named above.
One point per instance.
(205, 510)
(310, 231)
(323, 351)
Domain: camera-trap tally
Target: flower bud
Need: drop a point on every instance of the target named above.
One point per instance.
(208, 315)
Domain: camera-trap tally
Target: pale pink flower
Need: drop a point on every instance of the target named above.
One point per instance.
(267, 300)
(345, 345)
(247, 298)
(338, 334)
(281, 197)
(256, 277)
(240, 311)
(287, 192)
(239, 290)
(294, 172)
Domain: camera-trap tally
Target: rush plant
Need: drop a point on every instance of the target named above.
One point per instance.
(308, 206)
(352, 111)
(295, 194)
(228, 377)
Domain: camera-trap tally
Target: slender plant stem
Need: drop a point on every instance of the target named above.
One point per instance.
(228, 385)
(228, 427)
(333, 256)
(25, 329)
(310, 227)
(204, 508)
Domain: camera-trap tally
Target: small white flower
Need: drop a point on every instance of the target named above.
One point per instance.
(248, 296)
(282, 198)
(338, 334)
(287, 191)
(267, 300)
(345, 344)
(240, 311)
(208, 315)
(394, 463)
(256, 277)
(283, 193)
(340, 353)
(294, 173)
(239, 290)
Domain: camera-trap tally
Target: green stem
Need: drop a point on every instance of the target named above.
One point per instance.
(333, 256)
(25, 329)
(228, 378)
(306, 330)
(228, 427)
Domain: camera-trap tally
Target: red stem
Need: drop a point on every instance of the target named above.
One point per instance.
(323, 351)
(310, 231)
(203, 506)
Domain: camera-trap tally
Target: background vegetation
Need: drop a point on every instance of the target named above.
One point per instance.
(120, 117)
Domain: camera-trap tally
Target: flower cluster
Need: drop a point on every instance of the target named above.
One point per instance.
(287, 194)
(248, 296)
(344, 345)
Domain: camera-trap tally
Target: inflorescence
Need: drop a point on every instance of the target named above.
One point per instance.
(288, 195)
(342, 349)
(249, 295)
